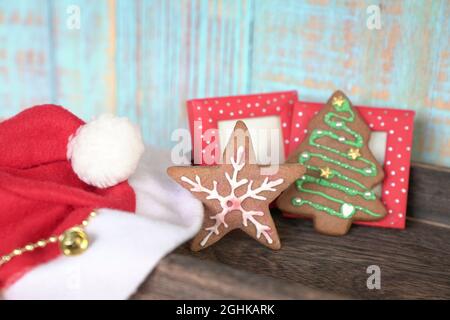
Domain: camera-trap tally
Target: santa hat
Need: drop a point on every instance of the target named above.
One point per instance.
(71, 225)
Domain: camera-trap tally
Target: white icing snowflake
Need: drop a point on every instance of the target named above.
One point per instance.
(232, 202)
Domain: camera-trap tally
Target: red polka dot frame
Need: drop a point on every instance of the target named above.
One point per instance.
(398, 125)
(204, 115)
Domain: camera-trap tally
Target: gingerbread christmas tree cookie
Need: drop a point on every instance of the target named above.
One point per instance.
(236, 194)
(341, 171)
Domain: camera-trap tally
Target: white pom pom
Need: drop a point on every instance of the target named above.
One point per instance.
(105, 151)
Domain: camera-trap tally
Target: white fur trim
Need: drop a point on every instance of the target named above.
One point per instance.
(124, 247)
(105, 151)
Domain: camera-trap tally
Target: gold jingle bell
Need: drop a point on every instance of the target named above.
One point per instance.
(74, 242)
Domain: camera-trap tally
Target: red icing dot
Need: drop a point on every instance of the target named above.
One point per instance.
(233, 204)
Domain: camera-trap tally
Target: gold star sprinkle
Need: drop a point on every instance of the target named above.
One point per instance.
(354, 153)
(339, 100)
(325, 172)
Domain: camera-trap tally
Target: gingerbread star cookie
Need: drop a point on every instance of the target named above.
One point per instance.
(236, 193)
(337, 188)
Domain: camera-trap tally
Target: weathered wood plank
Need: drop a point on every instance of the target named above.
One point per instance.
(129, 59)
(170, 51)
(84, 57)
(145, 58)
(429, 193)
(25, 56)
(183, 277)
(414, 262)
(320, 46)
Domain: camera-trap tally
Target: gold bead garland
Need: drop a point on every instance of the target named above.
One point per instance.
(72, 242)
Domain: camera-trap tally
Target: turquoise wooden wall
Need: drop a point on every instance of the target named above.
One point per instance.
(144, 58)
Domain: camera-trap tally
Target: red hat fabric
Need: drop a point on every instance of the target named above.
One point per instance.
(40, 195)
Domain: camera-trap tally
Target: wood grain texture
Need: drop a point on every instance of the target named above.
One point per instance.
(25, 56)
(171, 51)
(84, 58)
(183, 277)
(322, 46)
(414, 262)
(144, 58)
(428, 195)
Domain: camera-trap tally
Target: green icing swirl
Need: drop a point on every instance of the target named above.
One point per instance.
(337, 122)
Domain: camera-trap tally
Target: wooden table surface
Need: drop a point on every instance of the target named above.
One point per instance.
(414, 263)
